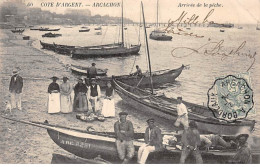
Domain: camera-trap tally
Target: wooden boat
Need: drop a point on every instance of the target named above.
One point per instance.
(98, 28)
(157, 34)
(99, 147)
(18, 31)
(61, 49)
(49, 29)
(84, 70)
(51, 35)
(221, 30)
(98, 33)
(84, 30)
(117, 49)
(158, 106)
(34, 28)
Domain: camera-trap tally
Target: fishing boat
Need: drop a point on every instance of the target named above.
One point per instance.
(221, 30)
(158, 34)
(84, 70)
(99, 147)
(35, 29)
(150, 104)
(49, 29)
(51, 35)
(84, 30)
(18, 31)
(61, 49)
(115, 49)
(98, 28)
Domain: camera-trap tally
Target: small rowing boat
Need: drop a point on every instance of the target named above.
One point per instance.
(84, 70)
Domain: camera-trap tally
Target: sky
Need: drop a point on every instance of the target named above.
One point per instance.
(231, 11)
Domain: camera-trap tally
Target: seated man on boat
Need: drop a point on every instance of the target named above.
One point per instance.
(124, 132)
(213, 140)
(153, 141)
(190, 141)
(182, 114)
(92, 71)
(54, 96)
(80, 98)
(243, 155)
(94, 94)
(138, 71)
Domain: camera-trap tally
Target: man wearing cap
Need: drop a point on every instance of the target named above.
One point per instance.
(124, 133)
(65, 96)
(54, 96)
(94, 95)
(190, 141)
(92, 71)
(80, 98)
(243, 155)
(153, 141)
(15, 88)
(182, 114)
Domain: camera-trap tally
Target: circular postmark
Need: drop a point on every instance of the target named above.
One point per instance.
(230, 98)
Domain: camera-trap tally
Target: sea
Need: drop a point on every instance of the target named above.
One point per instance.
(184, 49)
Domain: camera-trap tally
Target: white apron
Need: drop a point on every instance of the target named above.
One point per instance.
(54, 103)
(108, 109)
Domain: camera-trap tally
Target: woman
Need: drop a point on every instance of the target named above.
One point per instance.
(80, 99)
(54, 97)
(65, 96)
(108, 109)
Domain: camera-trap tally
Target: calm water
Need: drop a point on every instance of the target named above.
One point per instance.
(194, 82)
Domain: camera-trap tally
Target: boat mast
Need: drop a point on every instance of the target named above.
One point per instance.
(122, 26)
(157, 16)
(147, 48)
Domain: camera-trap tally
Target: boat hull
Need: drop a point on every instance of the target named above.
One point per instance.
(83, 70)
(160, 38)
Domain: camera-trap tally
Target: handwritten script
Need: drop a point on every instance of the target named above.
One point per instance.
(217, 49)
(183, 19)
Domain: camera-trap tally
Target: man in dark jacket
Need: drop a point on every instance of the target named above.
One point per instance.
(15, 88)
(92, 71)
(153, 141)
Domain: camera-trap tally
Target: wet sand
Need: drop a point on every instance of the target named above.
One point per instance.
(20, 143)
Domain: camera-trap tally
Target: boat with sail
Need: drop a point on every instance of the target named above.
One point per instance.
(115, 49)
(158, 34)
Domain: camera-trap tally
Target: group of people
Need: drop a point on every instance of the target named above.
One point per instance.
(191, 140)
(86, 97)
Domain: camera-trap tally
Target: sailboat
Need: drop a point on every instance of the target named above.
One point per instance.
(115, 49)
(151, 104)
(158, 34)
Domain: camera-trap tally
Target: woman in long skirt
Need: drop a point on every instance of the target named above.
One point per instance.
(54, 97)
(65, 96)
(108, 109)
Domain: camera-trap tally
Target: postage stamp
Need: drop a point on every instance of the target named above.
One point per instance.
(230, 98)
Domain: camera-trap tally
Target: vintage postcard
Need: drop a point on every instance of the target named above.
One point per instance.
(129, 81)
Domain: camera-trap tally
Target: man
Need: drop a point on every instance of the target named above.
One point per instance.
(54, 96)
(15, 88)
(94, 95)
(80, 98)
(243, 155)
(182, 114)
(190, 141)
(153, 142)
(65, 96)
(92, 71)
(213, 140)
(138, 71)
(124, 133)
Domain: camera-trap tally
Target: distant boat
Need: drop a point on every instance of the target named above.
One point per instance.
(221, 30)
(98, 28)
(51, 35)
(84, 30)
(49, 29)
(18, 31)
(125, 28)
(98, 33)
(35, 29)
(188, 28)
(84, 70)
(85, 27)
(159, 34)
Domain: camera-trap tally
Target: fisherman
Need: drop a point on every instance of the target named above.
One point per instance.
(153, 141)
(65, 96)
(94, 95)
(190, 141)
(92, 71)
(182, 114)
(15, 88)
(54, 96)
(213, 140)
(124, 133)
(80, 99)
(138, 71)
(243, 155)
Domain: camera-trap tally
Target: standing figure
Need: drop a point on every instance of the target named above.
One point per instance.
(108, 109)
(80, 98)
(190, 141)
(54, 96)
(124, 132)
(153, 141)
(92, 71)
(15, 88)
(65, 96)
(182, 114)
(138, 71)
(94, 95)
(243, 155)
